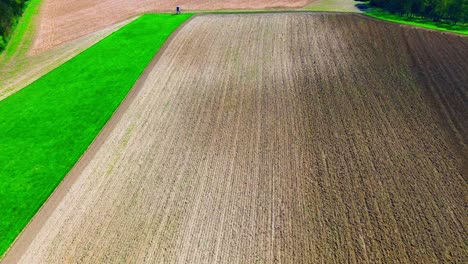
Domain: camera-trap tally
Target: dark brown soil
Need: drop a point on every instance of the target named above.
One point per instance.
(278, 138)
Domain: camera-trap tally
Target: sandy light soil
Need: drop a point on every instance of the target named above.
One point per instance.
(65, 20)
(268, 138)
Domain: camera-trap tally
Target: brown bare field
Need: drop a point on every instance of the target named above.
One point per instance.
(65, 20)
(268, 138)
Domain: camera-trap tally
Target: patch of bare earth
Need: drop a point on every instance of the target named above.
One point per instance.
(65, 20)
(292, 138)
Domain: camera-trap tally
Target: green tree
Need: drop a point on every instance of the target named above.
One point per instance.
(453, 10)
(2, 43)
(10, 12)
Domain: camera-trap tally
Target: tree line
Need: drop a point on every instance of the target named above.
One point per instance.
(451, 10)
(10, 13)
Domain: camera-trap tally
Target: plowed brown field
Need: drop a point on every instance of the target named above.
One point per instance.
(268, 138)
(65, 20)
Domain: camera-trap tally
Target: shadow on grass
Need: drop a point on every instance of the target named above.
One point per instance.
(362, 6)
(442, 25)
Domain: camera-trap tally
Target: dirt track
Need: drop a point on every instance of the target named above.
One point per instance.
(65, 20)
(293, 138)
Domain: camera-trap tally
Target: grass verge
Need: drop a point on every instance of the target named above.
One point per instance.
(23, 33)
(461, 28)
(333, 6)
(48, 125)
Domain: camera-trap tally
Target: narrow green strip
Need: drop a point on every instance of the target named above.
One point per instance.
(47, 126)
(23, 33)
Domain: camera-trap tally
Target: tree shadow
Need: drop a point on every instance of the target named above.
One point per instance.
(363, 5)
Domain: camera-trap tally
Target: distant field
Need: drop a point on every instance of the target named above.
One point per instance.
(276, 138)
(333, 6)
(64, 20)
(22, 69)
(46, 127)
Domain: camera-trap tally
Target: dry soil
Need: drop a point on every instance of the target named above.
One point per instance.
(268, 138)
(65, 20)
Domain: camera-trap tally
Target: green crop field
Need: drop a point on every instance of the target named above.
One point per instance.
(47, 126)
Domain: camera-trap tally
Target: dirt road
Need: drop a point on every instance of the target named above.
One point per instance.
(268, 138)
(65, 20)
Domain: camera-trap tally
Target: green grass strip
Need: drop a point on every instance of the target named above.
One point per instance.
(47, 126)
(333, 6)
(23, 33)
(461, 28)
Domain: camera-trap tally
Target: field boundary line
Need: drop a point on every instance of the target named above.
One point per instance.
(267, 11)
(29, 232)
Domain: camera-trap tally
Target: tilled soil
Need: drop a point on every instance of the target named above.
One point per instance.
(65, 20)
(268, 138)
